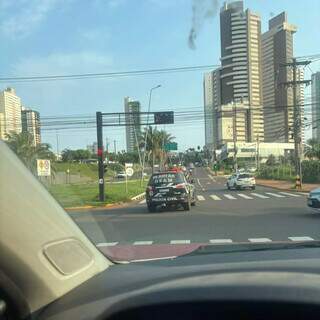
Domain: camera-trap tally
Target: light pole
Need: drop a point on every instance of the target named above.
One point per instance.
(147, 130)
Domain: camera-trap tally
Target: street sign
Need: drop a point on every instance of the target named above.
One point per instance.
(128, 165)
(129, 172)
(164, 117)
(171, 146)
(43, 167)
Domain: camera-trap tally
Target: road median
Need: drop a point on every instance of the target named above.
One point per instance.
(85, 196)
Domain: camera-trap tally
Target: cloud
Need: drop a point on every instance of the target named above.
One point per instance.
(63, 63)
(109, 3)
(97, 34)
(21, 17)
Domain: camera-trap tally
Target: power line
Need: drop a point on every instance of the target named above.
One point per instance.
(106, 74)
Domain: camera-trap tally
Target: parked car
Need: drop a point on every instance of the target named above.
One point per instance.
(121, 175)
(170, 189)
(241, 180)
(313, 200)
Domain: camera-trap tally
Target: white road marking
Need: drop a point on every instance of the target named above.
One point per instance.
(244, 196)
(200, 185)
(220, 241)
(142, 201)
(290, 194)
(230, 197)
(277, 195)
(201, 198)
(300, 238)
(140, 243)
(106, 244)
(259, 195)
(214, 197)
(180, 241)
(259, 240)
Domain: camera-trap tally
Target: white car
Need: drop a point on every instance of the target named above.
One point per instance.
(121, 175)
(241, 181)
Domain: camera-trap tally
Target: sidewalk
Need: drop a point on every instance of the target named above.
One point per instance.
(286, 185)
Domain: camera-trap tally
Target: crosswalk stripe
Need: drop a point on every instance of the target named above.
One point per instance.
(214, 197)
(220, 241)
(180, 241)
(106, 244)
(300, 238)
(244, 196)
(259, 240)
(259, 195)
(290, 194)
(277, 195)
(200, 198)
(140, 243)
(142, 201)
(230, 197)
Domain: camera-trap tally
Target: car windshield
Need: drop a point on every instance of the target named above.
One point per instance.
(108, 102)
(165, 179)
(244, 176)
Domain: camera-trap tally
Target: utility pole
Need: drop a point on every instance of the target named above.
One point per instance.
(257, 154)
(57, 138)
(100, 156)
(115, 146)
(107, 146)
(296, 112)
(234, 135)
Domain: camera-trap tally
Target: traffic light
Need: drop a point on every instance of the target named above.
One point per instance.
(164, 117)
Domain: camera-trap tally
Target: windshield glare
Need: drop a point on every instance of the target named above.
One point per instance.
(218, 99)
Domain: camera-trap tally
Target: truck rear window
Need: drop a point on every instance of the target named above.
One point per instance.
(166, 179)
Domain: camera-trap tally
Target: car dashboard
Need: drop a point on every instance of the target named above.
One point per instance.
(259, 284)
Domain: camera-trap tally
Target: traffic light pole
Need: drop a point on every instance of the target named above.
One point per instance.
(100, 156)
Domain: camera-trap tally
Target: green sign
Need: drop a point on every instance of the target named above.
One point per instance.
(171, 146)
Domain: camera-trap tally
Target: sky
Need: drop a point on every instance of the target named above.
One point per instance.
(58, 37)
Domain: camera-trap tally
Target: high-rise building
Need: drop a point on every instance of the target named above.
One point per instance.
(10, 113)
(133, 129)
(315, 101)
(211, 93)
(277, 48)
(30, 120)
(241, 65)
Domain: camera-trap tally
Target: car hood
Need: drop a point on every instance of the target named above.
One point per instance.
(317, 190)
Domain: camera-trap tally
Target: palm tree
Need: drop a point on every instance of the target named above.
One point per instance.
(156, 140)
(312, 149)
(23, 145)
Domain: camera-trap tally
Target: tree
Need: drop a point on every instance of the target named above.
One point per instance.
(271, 161)
(23, 145)
(78, 155)
(156, 140)
(67, 155)
(312, 149)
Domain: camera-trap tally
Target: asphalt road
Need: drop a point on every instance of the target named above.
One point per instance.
(220, 216)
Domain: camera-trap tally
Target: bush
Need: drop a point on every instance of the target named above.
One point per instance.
(310, 171)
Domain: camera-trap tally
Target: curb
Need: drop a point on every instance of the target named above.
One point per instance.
(139, 196)
(106, 206)
(85, 208)
(282, 189)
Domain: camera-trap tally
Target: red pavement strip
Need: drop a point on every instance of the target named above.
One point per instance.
(147, 252)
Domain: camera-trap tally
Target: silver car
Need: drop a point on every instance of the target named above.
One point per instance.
(313, 200)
